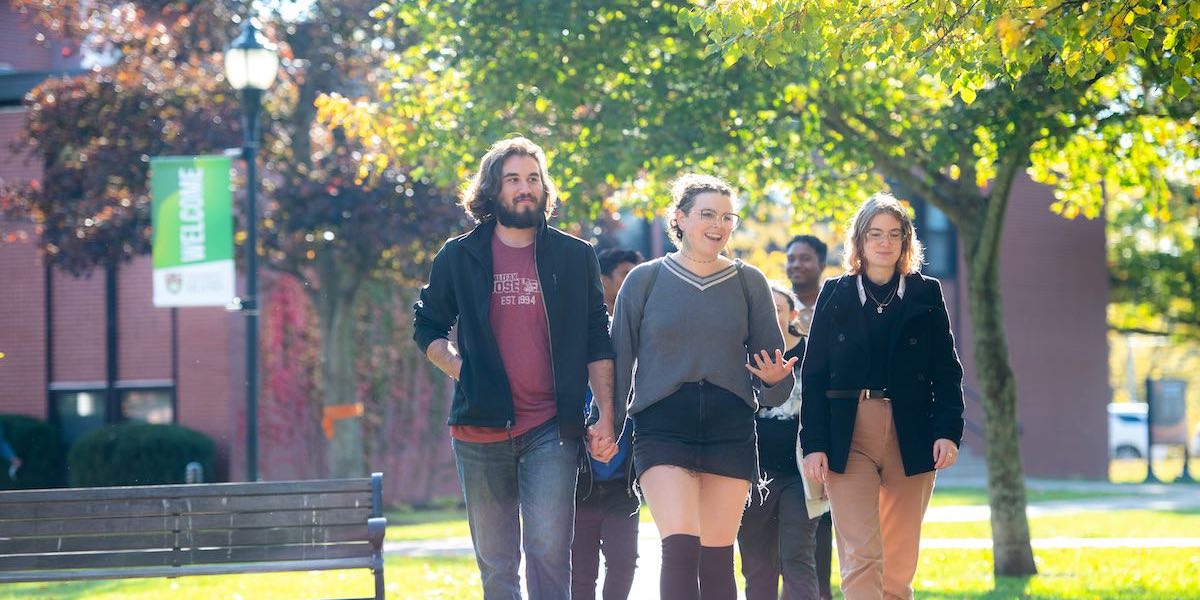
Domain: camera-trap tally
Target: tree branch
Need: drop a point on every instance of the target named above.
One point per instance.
(990, 229)
(922, 178)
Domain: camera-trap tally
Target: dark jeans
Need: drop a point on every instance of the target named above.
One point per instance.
(777, 537)
(824, 554)
(607, 519)
(521, 492)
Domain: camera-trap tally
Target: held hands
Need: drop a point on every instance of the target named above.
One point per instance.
(601, 441)
(945, 454)
(771, 370)
(816, 465)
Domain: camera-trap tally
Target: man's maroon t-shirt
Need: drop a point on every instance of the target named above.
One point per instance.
(518, 320)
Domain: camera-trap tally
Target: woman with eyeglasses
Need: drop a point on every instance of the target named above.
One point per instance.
(697, 349)
(882, 400)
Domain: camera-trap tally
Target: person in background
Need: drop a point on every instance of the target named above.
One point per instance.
(9, 455)
(700, 329)
(806, 260)
(615, 265)
(882, 400)
(606, 509)
(777, 536)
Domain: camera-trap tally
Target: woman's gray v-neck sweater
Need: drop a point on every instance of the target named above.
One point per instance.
(687, 328)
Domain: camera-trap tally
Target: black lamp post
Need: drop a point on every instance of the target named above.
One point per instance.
(251, 63)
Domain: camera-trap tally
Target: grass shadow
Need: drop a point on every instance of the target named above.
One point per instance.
(1006, 588)
(70, 590)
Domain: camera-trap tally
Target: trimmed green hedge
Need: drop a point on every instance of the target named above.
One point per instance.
(37, 444)
(138, 454)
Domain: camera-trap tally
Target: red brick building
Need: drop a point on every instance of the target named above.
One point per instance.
(82, 352)
(1054, 278)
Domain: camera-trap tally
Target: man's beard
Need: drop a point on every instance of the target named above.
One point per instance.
(520, 219)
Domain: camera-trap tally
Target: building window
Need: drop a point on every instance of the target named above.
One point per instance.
(936, 231)
(149, 405)
(78, 412)
(78, 408)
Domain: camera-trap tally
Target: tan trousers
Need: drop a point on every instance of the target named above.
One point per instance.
(877, 510)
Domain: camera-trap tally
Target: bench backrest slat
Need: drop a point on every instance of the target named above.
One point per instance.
(188, 539)
(165, 558)
(149, 507)
(196, 490)
(17, 529)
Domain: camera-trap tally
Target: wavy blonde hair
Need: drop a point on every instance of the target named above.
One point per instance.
(912, 253)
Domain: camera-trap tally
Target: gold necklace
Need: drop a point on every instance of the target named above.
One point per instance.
(879, 306)
(696, 260)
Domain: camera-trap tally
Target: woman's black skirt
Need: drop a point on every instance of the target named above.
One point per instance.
(701, 427)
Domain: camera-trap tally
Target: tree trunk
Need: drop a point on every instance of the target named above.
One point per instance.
(334, 299)
(1006, 476)
(1011, 549)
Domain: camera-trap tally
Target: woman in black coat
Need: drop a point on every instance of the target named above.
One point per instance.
(882, 400)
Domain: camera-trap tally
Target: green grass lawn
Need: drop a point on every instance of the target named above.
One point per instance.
(426, 525)
(427, 578)
(942, 575)
(434, 524)
(1126, 523)
(1133, 470)
(1124, 573)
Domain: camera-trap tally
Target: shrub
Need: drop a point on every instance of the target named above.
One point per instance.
(138, 454)
(38, 445)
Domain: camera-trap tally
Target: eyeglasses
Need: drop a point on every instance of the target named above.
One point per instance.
(876, 236)
(712, 217)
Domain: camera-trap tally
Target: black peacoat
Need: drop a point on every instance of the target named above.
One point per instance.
(924, 374)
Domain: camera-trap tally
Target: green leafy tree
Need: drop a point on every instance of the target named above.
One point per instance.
(1155, 268)
(954, 100)
(621, 97)
(163, 92)
(949, 100)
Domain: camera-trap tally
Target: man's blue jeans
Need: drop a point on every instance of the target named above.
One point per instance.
(525, 485)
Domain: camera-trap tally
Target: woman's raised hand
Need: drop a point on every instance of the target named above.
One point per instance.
(771, 370)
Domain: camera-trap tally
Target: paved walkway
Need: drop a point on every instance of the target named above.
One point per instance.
(1133, 496)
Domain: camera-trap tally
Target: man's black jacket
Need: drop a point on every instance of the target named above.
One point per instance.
(924, 374)
(460, 290)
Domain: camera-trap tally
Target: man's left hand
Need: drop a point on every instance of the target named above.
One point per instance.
(601, 441)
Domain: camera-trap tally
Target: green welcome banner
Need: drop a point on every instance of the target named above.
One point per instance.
(192, 222)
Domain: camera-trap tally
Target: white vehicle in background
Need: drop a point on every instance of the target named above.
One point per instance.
(1127, 426)
(1127, 422)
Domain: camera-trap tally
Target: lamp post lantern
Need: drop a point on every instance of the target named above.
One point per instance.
(251, 63)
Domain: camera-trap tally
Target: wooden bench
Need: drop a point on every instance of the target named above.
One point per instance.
(195, 529)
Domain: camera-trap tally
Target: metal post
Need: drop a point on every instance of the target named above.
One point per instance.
(251, 102)
(193, 472)
(1150, 478)
(1186, 475)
